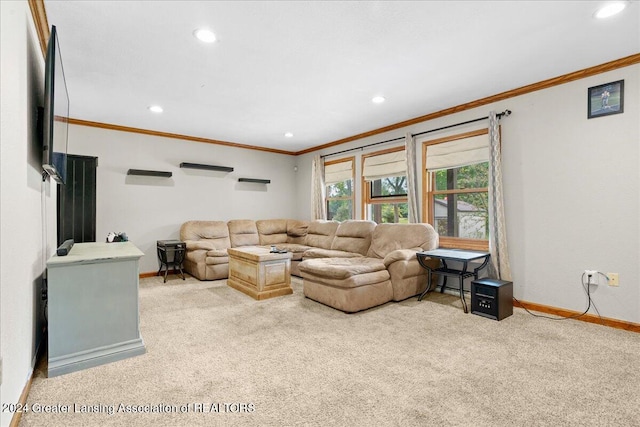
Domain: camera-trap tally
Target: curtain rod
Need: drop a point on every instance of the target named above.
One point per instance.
(505, 113)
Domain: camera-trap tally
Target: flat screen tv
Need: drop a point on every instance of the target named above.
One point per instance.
(56, 113)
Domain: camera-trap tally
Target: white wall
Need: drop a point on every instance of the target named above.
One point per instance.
(25, 243)
(150, 208)
(572, 191)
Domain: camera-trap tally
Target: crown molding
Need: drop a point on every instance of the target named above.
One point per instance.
(39, 14)
(109, 126)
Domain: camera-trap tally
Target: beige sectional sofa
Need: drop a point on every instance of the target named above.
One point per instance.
(351, 265)
(208, 241)
(358, 276)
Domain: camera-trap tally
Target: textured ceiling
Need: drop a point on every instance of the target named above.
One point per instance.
(312, 67)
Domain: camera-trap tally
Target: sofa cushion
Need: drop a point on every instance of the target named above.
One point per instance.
(296, 250)
(329, 253)
(297, 228)
(243, 232)
(293, 247)
(205, 235)
(341, 268)
(387, 238)
(353, 236)
(344, 272)
(320, 233)
(352, 281)
(272, 231)
(297, 231)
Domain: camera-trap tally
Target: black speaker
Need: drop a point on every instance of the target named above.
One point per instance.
(492, 298)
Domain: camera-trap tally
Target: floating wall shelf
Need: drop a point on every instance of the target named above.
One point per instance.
(258, 181)
(143, 172)
(206, 167)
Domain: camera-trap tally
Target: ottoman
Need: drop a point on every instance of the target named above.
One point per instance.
(347, 284)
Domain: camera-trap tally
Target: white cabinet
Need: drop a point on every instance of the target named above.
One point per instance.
(93, 315)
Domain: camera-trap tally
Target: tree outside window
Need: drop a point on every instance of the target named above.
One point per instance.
(381, 208)
(340, 201)
(462, 214)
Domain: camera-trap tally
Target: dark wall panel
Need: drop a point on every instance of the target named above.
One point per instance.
(77, 201)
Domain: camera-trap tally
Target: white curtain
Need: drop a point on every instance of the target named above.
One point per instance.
(318, 207)
(412, 186)
(499, 267)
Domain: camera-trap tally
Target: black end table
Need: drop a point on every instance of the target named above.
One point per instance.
(457, 255)
(171, 254)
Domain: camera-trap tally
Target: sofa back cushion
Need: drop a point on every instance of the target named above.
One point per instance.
(353, 236)
(389, 237)
(272, 231)
(297, 231)
(320, 233)
(214, 233)
(243, 232)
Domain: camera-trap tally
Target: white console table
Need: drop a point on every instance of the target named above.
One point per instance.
(93, 314)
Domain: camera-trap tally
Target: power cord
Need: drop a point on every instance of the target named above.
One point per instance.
(586, 288)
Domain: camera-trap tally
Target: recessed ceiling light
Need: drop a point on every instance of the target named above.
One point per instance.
(610, 9)
(288, 135)
(377, 99)
(204, 35)
(156, 109)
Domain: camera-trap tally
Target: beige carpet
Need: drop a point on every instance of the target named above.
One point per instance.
(290, 361)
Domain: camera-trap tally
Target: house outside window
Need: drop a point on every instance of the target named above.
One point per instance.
(455, 187)
(385, 186)
(340, 192)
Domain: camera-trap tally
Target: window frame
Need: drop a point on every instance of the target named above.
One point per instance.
(429, 191)
(367, 199)
(353, 185)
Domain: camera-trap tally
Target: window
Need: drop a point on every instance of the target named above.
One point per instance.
(339, 179)
(384, 176)
(455, 185)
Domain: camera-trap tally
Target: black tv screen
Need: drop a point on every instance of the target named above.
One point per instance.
(56, 113)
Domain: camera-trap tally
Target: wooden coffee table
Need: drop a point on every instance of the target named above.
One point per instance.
(259, 273)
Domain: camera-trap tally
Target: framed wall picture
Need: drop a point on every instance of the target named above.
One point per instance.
(606, 99)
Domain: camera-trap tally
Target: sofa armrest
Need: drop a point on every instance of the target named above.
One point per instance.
(217, 253)
(196, 255)
(400, 255)
(193, 245)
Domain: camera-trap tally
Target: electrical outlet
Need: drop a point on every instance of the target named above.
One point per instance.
(613, 279)
(592, 276)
